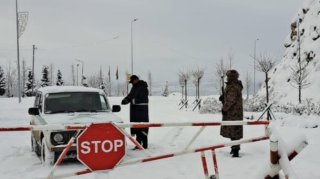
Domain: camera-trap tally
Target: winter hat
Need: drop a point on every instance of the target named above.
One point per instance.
(232, 74)
(132, 78)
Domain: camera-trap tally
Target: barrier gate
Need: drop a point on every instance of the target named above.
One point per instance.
(94, 149)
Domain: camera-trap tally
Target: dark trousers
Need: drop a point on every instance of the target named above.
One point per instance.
(142, 138)
(237, 147)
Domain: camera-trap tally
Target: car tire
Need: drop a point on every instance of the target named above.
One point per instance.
(47, 157)
(35, 146)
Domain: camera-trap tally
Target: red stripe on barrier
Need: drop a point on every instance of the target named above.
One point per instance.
(145, 125)
(204, 164)
(258, 122)
(207, 124)
(262, 138)
(157, 158)
(83, 172)
(215, 163)
(292, 155)
(210, 148)
(274, 157)
(6, 129)
(75, 127)
(64, 152)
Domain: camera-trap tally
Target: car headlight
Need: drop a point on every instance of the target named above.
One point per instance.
(58, 137)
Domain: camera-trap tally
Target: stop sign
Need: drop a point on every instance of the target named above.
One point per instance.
(101, 146)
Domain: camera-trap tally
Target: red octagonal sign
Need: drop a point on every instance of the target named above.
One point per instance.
(101, 146)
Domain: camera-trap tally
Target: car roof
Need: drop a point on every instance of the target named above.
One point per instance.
(61, 89)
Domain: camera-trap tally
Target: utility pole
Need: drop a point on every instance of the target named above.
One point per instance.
(132, 47)
(254, 68)
(34, 48)
(82, 70)
(21, 23)
(77, 74)
(18, 54)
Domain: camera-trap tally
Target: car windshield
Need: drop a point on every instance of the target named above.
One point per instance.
(75, 102)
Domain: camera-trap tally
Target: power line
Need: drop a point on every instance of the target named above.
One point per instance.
(65, 47)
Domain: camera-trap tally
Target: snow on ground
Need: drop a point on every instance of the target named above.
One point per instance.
(18, 161)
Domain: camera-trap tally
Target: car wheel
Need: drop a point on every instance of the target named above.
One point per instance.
(47, 157)
(35, 146)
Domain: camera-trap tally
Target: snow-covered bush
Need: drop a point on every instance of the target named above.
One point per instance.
(210, 105)
(255, 104)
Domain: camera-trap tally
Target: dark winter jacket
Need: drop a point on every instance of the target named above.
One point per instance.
(232, 110)
(138, 99)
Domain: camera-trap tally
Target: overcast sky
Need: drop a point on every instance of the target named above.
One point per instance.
(170, 35)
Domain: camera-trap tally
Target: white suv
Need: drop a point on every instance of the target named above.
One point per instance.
(66, 105)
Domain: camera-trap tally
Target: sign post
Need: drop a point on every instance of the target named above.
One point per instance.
(101, 146)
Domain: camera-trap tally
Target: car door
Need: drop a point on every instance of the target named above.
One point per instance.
(35, 120)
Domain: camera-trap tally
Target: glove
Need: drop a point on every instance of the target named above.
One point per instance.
(221, 98)
(124, 102)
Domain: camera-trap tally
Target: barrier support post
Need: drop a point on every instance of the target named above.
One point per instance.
(204, 165)
(215, 164)
(63, 154)
(134, 141)
(274, 156)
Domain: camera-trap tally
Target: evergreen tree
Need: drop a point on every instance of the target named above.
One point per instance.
(45, 77)
(29, 83)
(2, 83)
(59, 79)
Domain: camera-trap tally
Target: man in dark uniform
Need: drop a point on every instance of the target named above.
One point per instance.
(139, 109)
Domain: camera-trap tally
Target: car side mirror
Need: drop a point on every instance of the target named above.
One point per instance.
(116, 108)
(34, 111)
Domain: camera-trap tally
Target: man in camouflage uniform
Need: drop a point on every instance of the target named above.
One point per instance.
(232, 109)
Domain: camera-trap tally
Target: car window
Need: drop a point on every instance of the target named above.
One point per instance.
(75, 102)
(40, 103)
(36, 101)
(103, 102)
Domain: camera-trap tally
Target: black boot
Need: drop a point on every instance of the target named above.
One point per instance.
(235, 153)
(231, 151)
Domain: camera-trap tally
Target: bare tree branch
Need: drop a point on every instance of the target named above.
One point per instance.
(265, 63)
(220, 73)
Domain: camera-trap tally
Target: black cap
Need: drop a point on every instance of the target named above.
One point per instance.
(132, 78)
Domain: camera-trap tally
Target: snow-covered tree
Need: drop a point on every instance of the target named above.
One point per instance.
(165, 90)
(11, 76)
(29, 83)
(59, 79)
(299, 73)
(51, 78)
(2, 82)
(73, 76)
(184, 76)
(45, 77)
(247, 84)
(265, 63)
(101, 81)
(93, 80)
(197, 75)
(220, 73)
(150, 83)
(24, 75)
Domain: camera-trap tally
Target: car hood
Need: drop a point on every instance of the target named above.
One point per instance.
(81, 118)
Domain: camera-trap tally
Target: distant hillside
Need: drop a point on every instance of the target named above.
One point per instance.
(307, 22)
